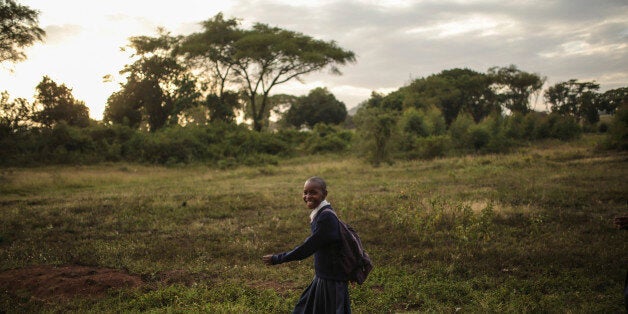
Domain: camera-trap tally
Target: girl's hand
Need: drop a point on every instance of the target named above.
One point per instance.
(267, 259)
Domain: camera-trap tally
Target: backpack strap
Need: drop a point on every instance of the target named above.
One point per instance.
(329, 209)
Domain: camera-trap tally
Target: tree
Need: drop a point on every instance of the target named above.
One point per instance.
(125, 106)
(18, 29)
(261, 58)
(613, 99)
(14, 115)
(55, 103)
(514, 87)
(319, 106)
(158, 88)
(475, 95)
(576, 99)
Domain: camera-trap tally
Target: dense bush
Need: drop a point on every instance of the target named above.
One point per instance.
(214, 143)
(617, 136)
(326, 138)
(494, 134)
(563, 127)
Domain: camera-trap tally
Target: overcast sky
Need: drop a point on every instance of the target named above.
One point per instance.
(395, 41)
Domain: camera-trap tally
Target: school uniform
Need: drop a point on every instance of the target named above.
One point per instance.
(328, 292)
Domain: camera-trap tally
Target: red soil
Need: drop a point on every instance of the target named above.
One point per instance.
(64, 282)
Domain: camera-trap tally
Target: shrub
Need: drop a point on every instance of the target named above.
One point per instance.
(617, 136)
(413, 122)
(478, 137)
(325, 138)
(433, 146)
(563, 127)
(459, 131)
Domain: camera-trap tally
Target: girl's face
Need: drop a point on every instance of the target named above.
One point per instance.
(313, 194)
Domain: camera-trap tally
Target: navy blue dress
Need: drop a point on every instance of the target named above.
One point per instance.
(329, 291)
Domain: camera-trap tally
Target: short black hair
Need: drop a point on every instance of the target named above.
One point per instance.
(319, 181)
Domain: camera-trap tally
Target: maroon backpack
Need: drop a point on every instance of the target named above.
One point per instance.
(355, 262)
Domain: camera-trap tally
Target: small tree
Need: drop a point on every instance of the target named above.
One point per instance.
(319, 106)
(55, 103)
(14, 115)
(376, 129)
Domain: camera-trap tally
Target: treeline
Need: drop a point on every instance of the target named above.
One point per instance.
(185, 95)
(407, 124)
(464, 111)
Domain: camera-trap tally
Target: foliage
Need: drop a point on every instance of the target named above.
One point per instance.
(218, 144)
(55, 104)
(319, 106)
(617, 137)
(326, 138)
(377, 131)
(20, 29)
(211, 53)
(613, 99)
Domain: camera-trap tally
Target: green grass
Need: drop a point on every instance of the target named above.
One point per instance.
(529, 231)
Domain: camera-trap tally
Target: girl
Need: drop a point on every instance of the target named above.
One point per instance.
(328, 292)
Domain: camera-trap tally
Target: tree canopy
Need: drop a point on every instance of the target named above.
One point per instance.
(19, 28)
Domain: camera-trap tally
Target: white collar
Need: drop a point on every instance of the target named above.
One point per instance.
(315, 211)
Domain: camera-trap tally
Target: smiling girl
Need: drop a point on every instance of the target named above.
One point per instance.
(328, 292)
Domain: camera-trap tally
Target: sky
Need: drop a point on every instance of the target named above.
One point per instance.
(395, 41)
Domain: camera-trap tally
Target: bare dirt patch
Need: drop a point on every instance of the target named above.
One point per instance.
(47, 282)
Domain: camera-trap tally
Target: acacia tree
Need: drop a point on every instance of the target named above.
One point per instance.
(514, 87)
(258, 59)
(268, 56)
(577, 99)
(19, 28)
(55, 103)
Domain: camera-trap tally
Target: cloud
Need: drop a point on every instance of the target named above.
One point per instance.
(401, 40)
(58, 34)
(395, 41)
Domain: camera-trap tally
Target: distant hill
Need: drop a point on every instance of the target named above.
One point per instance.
(353, 110)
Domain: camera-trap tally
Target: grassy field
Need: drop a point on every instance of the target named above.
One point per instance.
(529, 231)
